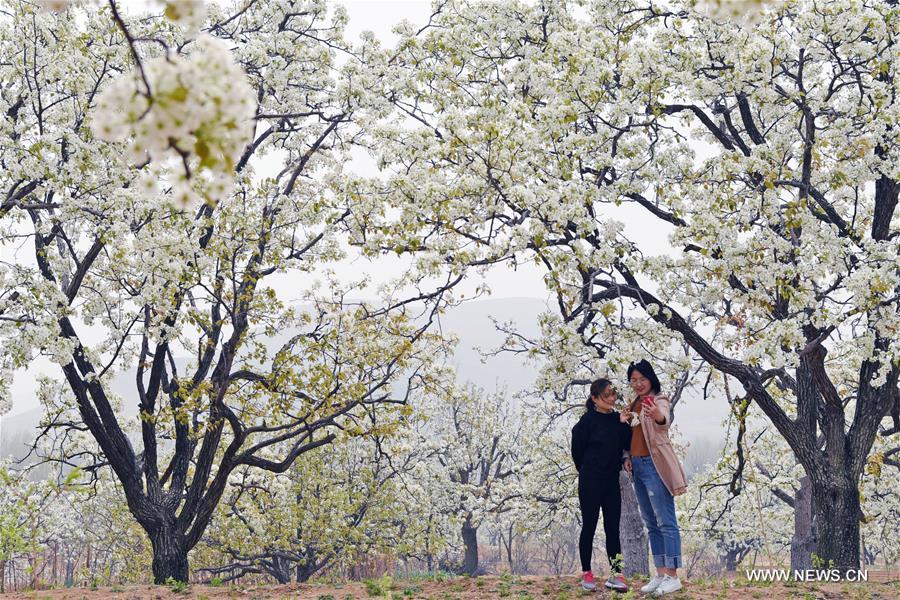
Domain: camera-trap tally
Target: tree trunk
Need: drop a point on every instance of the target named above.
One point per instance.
(635, 556)
(868, 556)
(70, 572)
(170, 559)
(303, 573)
(509, 546)
(309, 564)
(470, 544)
(733, 556)
(836, 508)
(279, 568)
(803, 544)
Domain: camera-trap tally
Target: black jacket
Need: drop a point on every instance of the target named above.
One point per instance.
(598, 443)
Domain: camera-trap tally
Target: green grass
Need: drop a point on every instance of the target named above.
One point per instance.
(378, 587)
(178, 587)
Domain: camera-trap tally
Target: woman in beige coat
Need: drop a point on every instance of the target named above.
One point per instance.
(657, 474)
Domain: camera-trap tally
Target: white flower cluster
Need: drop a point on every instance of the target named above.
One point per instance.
(198, 113)
(6, 378)
(189, 13)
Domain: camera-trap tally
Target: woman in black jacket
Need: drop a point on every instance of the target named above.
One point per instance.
(600, 441)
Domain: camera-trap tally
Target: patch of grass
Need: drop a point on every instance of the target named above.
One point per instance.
(856, 592)
(457, 587)
(378, 587)
(411, 590)
(503, 589)
(178, 587)
(325, 597)
(216, 582)
(699, 581)
(479, 582)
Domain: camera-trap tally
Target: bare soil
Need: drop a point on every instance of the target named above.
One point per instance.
(881, 586)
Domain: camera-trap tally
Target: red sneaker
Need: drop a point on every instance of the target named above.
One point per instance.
(587, 581)
(616, 582)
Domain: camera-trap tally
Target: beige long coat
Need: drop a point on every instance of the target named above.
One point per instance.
(661, 451)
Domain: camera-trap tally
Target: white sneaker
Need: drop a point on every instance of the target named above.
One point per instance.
(667, 585)
(652, 584)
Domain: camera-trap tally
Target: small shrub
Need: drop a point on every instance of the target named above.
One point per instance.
(178, 587)
(378, 587)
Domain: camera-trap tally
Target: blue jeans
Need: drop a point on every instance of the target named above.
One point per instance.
(658, 510)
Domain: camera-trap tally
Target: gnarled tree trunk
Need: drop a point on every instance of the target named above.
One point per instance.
(803, 544)
(632, 534)
(470, 545)
(170, 561)
(836, 508)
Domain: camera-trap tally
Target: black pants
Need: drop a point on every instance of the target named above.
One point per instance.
(596, 492)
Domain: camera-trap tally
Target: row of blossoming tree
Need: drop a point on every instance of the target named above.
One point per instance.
(167, 176)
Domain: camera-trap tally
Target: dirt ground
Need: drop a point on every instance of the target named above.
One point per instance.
(881, 586)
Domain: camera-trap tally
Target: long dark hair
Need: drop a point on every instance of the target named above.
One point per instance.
(597, 388)
(646, 369)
